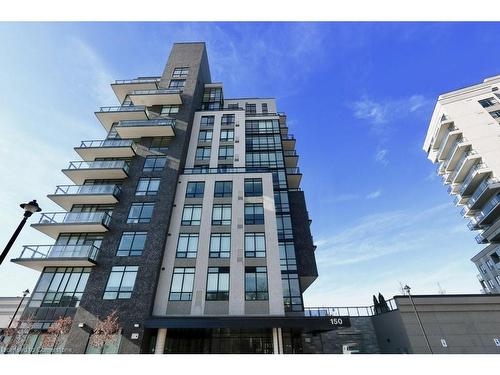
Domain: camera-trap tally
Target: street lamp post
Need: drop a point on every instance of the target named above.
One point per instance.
(407, 289)
(25, 293)
(29, 209)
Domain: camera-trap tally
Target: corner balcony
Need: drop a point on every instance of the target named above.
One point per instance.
(448, 143)
(68, 195)
(490, 211)
(475, 176)
(453, 189)
(39, 257)
(156, 97)
(491, 233)
(291, 158)
(473, 224)
(442, 129)
(293, 176)
(122, 88)
(107, 148)
(456, 153)
(79, 171)
(464, 165)
(288, 142)
(483, 192)
(54, 223)
(109, 115)
(146, 128)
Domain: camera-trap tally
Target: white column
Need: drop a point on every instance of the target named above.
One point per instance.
(160, 340)
(280, 340)
(275, 341)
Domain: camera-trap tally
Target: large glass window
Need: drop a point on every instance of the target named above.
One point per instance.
(202, 153)
(254, 213)
(207, 121)
(182, 284)
(255, 245)
(253, 187)
(218, 284)
(495, 114)
(250, 108)
(205, 136)
(226, 152)
(177, 84)
(263, 142)
(140, 213)
(256, 284)
(220, 245)
(154, 163)
(279, 179)
(187, 246)
(121, 282)
(262, 126)
(168, 110)
(180, 72)
(147, 186)
(270, 159)
(60, 287)
(221, 214)
(284, 224)
(287, 256)
(195, 189)
(292, 298)
(131, 244)
(160, 144)
(281, 201)
(488, 102)
(191, 214)
(223, 189)
(227, 135)
(228, 119)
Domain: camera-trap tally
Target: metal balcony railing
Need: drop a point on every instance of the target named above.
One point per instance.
(155, 122)
(470, 176)
(472, 224)
(75, 218)
(59, 251)
(460, 163)
(156, 92)
(100, 164)
(480, 238)
(88, 189)
(288, 137)
(480, 190)
(107, 143)
(295, 170)
(488, 207)
(290, 153)
(138, 80)
(350, 310)
(123, 108)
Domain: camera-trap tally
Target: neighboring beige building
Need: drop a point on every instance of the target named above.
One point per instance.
(464, 140)
(8, 306)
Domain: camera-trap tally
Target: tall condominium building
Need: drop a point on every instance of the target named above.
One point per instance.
(186, 223)
(464, 140)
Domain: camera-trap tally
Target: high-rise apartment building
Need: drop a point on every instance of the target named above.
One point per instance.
(187, 220)
(464, 140)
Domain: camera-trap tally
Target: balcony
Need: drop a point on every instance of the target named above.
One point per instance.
(492, 232)
(448, 143)
(156, 97)
(473, 224)
(456, 153)
(54, 223)
(293, 176)
(443, 128)
(490, 211)
(79, 171)
(123, 87)
(68, 195)
(146, 128)
(291, 158)
(453, 189)
(481, 239)
(107, 148)
(483, 192)
(288, 142)
(464, 165)
(474, 178)
(109, 115)
(39, 257)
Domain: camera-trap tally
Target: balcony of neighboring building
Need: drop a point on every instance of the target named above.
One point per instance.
(453, 189)
(288, 142)
(491, 233)
(68, 195)
(490, 211)
(107, 148)
(463, 166)
(448, 143)
(483, 192)
(122, 88)
(110, 115)
(41, 256)
(79, 171)
(54, 223)
(291, 158)
(443, 128)
(456, 153)
(475, 176)
(152, 97)
(162, 127)
(293, 176)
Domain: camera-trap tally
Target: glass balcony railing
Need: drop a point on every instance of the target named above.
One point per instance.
(293, 170)
(103, 218)
(480, 238)
(480, 190)
(124, 108)
(107, 143)
(488, 208)
(156, 122)
(288, 137)
(470, 176)
(290, 153)
(137, 80)
(156, 92)
(88, 190)
(460, 163)
(59, 251)
(473, 224)
(100, 164)
(443, 142)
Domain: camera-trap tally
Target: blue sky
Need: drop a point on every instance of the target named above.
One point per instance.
(358, 97)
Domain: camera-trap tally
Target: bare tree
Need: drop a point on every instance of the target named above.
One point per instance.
(105, 331)
(401, 288)
(440, 289)
(57, 330)
(19, 334)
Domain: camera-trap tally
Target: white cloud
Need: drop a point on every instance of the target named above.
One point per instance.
(380, 156)
(374, 194)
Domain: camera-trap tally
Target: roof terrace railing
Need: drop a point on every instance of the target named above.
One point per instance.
(350, 310)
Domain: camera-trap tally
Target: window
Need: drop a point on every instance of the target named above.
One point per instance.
(121, 282)
(154, 163)
(168, 110)
(226, 152)
(228, 119)
(233, 106)
(255, 245)
(202, 153)
(482, 268)
(180, 72)
(221, 214)
(287, 256)
(195, 189)
(490, 264)
(495, 114)
(207, 121)
(254, 213)
(182, 284)
(227, 135)
(488, 102)
(205, 136)
(147, 186)
(250, 108)
(187, 246)
(497, 278)
(253, 187)
(131, 244)
(443, 343)
(218, 284)
(223, 189)
(270, 159)
(191, 214)
(140, 213)
(291, 292)
(177, 84)
(491, 284)
(60, 287)
(264, 107)
(284, 224)
(256, 284)
(160, 144)
(279, 179)
(262, 126)
(220, 245)
(281, 201)
(263, 142)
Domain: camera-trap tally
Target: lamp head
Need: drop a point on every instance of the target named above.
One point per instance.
(407, 289)
(26, 292)
(30, 208)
